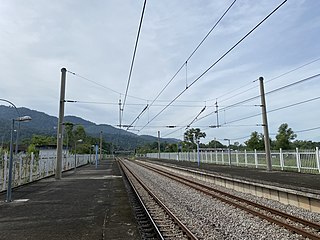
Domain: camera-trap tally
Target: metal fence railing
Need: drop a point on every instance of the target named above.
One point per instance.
(293, 160)
(28, 168)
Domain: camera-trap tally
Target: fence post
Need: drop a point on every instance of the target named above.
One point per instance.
(298, 160)
(318, 158)
(31, 166)
(216, 156)
(245, 158)
(222, 156)
(5, 171)
(256, 158)
(211, 156)
(237, 157)
(47, 167)
(20, 169)
(281, 159)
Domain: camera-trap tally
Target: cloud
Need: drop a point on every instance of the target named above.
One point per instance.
(96, 39)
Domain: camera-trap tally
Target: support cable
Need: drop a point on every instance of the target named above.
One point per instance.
(131, 124)
(270, 80)
(217, 61)
(134, 55)
(202, 110)
(190, 56)
(100, 85)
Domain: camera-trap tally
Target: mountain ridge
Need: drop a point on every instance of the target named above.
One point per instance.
(45, 124)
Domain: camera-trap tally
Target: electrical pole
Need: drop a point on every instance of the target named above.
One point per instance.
(265, 125)
(100, 146)
(158, 144)
(60, 124)
(217, 111)
(120, 113)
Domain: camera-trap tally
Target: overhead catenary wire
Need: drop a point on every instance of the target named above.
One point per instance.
(267, 81)
(276, 109)
(272, 91)
(185, 64)
(132, 104)
(202, 110)
(215, 63)
(143, 110)
(134, 55)
(103, 86)
(227, 124)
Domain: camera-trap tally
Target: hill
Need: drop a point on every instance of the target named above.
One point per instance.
(45, 124)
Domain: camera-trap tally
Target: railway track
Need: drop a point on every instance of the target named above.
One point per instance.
(297, 225)
(165, 223)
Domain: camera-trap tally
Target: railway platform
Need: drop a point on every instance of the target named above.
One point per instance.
(291, 188)
(285, 179)
(86, 204)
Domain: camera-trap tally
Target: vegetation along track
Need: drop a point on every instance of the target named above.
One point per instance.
(297, 225)
(165, 222)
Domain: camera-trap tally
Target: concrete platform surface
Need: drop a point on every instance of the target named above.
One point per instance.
(292, 180)
(87, 204)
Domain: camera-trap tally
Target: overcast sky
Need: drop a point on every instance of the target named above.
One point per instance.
(95, 40)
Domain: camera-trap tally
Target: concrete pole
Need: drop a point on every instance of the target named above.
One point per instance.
(17, 139)
(198, 153)
(120, 113)
(265, 125)
(217, 111)
(96, 153)
(158, 144)
(60, 124)
(100, 146)
(8, 197)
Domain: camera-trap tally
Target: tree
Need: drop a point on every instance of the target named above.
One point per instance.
(79, 133)
(39, 140)
(284, 137)
(191, 135)
(215, 144)
(256, 141)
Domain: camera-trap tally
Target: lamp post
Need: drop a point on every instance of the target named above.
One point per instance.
(4, 100)
(92, 146)
(75, 153)
(229, 152)
(196, 139)
(19, 119)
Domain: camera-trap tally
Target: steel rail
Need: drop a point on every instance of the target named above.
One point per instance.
(231, 200)
(184, 228)
(157, 230)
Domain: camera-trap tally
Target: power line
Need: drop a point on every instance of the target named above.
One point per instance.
(217, 61)
(134, 55)
(276, 109)
(293, 70)
(146, 107)
(273, 91)
(202, 110)
(272, 79)
(193, 52)
(307, 130)
(295, 83)
(100, 85)
(132, 104)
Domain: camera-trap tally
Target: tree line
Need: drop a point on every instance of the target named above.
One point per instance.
(285, 139)
(75, 139)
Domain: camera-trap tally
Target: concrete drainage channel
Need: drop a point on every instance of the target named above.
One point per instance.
(301, 199)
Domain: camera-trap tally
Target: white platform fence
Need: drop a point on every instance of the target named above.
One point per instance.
(29, 168)
(293, 160)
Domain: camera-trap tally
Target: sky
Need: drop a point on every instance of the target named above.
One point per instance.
(94, 41)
